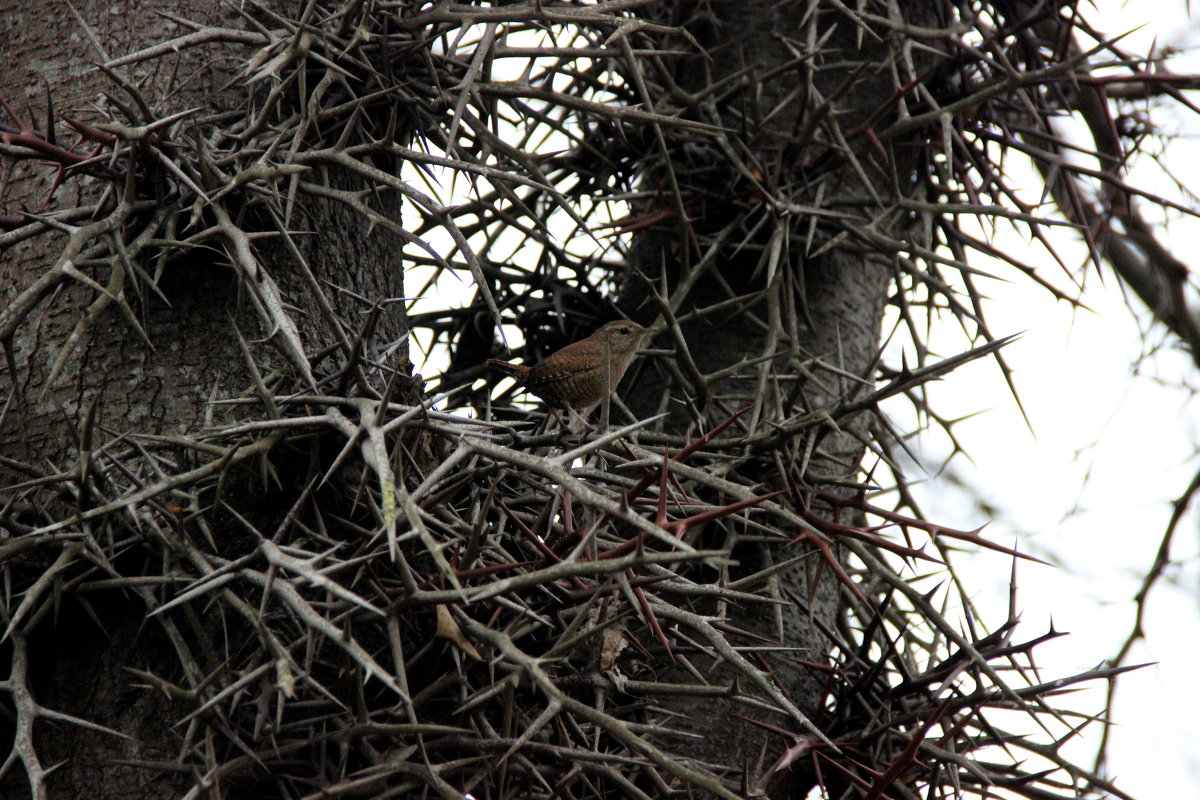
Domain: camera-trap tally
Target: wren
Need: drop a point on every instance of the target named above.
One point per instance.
(582, 374)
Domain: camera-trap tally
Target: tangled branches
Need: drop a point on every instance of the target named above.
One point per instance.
(511, 621)
(285, 570)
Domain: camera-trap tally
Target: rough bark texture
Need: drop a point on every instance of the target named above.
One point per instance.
(761, 293)
(161, 385)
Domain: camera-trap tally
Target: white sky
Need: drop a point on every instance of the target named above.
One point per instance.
(1090, 489)
(1114, 443)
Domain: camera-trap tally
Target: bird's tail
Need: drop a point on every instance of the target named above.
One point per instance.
(518, 371)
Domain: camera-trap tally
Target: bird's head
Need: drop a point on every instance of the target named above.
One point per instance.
(622, 335)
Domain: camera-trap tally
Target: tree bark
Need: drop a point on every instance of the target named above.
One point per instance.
(200, 329)
(802, 318)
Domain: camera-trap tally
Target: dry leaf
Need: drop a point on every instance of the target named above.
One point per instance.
(612, 642)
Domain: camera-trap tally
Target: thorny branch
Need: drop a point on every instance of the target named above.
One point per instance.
(462, 605)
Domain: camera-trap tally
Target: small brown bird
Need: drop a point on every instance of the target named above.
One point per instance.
(580, 375)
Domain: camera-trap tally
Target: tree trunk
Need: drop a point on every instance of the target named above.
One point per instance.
(747, 271)
(145, 364)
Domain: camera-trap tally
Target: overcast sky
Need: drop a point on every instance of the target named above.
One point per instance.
(1114, 443)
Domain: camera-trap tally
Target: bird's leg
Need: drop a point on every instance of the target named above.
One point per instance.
(585, 425)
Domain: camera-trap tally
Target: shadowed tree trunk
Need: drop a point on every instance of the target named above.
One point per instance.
(772, 318)
(161, 339)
